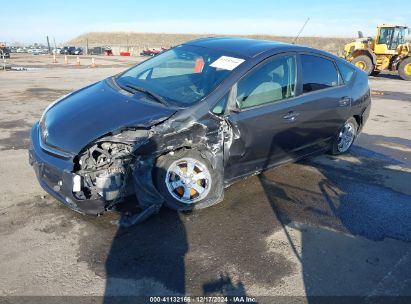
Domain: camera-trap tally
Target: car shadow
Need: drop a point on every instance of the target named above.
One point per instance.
(148, 259)
(224, 286)
(386, 76)
(342, 209)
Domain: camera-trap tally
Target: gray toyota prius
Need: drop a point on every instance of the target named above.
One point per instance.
(178, 128)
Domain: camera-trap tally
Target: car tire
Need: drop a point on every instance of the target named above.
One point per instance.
(364, 63)
(179, 190)
(345, 137)
(404, 69)
(375, 73)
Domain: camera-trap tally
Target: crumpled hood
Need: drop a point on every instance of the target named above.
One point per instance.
(85, 115)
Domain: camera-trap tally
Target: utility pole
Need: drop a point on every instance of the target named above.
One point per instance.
(48, 44)
(4, 60)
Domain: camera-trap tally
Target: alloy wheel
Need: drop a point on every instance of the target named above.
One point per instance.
(346, 137)
(188, 180)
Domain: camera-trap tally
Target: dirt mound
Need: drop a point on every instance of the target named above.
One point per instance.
(134, 40)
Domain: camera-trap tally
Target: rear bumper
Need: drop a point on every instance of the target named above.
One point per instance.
(55, 177)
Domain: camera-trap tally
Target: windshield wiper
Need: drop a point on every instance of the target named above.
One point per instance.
(145, 91)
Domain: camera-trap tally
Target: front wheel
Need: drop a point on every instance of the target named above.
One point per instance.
(404, 69)
(187, 181)
(345, 137)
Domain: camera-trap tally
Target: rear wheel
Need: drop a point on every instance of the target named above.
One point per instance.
(364, 63)
(404, 69)
(345, 137)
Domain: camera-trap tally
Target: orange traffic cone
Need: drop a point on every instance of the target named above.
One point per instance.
(65, 59)
(78, 60)
(93, 63)
(54, 58)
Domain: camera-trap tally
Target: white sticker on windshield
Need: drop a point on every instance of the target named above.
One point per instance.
(227, 63)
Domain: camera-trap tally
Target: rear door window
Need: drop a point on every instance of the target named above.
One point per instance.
(347, 72)
(318, 73)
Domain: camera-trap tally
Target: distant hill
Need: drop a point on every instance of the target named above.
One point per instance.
(135, 42)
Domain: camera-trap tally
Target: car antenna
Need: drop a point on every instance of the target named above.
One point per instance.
(301, 30)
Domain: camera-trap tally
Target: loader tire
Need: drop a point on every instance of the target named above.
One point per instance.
(404, 69)
(364, 63)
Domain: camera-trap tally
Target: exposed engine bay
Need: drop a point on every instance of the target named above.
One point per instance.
(103, 169)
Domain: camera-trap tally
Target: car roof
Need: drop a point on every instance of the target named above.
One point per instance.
(246, 47)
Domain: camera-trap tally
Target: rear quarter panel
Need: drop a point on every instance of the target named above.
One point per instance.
(361, 97)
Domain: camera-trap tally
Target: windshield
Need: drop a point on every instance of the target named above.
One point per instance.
(400, 34)
(392, 37)
(182, 76)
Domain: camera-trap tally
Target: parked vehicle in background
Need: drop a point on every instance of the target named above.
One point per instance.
(68, 50)
(101, 50)
(37, 51)
(56, 51)
(179, 127)
(4, 52)
(152, 52)
(78, 51)
(21, 50)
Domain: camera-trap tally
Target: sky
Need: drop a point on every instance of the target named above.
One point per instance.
(28, 21)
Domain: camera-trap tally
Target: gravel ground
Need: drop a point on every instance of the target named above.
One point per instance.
(323, 226)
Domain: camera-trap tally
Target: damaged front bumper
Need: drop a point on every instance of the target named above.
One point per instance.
(55, 176)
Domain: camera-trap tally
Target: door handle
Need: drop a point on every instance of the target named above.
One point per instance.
(344, 102)
(291, 116)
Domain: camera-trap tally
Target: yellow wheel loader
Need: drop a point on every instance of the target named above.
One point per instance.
(388, 51)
